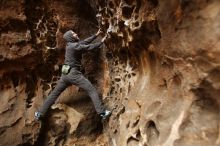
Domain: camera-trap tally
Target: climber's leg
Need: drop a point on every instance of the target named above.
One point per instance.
(60, 87)
(79, 80)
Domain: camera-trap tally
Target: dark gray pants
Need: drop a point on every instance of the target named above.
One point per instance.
(74, 77)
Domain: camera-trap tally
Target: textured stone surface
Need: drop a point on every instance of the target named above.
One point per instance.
(159, 69)
(163, 56)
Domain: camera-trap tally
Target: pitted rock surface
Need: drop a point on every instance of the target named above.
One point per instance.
(159, 70)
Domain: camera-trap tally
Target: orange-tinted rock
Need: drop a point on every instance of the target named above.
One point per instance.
(159, 69)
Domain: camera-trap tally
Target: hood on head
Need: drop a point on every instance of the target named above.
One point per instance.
(68, 36)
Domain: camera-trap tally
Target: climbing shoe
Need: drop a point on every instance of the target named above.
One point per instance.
(38, 115)
(105, 115)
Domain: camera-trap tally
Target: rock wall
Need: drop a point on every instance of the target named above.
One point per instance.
(164, 71)
(159, 70)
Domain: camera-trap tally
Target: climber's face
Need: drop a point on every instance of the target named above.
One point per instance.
(75, 35)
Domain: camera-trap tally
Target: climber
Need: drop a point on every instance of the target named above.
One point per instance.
(71, 74)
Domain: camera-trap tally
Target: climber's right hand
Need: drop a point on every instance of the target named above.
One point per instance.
(104, 38)
(98, 32)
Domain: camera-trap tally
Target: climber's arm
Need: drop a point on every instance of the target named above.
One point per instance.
(90, 46)
(90, 39)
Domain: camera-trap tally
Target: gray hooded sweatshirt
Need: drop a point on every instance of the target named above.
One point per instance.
(75, 49)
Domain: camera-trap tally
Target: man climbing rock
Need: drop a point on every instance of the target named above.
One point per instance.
(71, 74)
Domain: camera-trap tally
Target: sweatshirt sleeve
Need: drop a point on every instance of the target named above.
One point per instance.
(89, 40)
(90, 46)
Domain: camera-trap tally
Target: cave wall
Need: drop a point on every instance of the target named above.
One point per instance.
(159, 70)
(164, 71)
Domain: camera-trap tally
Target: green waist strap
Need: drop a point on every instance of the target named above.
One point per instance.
(66, 69)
